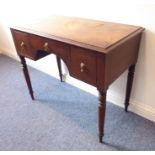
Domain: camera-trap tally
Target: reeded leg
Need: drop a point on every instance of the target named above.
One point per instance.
(101, 114)
(129, 85)
(59, 67)
(26, 75)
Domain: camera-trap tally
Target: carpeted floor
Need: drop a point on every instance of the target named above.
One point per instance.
(62, 117)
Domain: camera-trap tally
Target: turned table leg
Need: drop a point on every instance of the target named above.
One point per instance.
(26, 75)
(59, 67)
(101, 114)
(129, 85)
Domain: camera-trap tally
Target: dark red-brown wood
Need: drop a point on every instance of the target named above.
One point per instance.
(129, 85)
(26, 75)
(59, 67)
(95, 52)
(101, 114)
(88, 58)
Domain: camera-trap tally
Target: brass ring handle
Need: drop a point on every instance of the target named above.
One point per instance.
(45, 46)
(82, 66)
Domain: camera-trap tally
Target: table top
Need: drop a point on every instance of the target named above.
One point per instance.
(91, 33)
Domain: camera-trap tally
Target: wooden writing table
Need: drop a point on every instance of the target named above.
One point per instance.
(95, 52)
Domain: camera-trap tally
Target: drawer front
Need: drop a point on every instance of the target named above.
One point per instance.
(48, 45)
(83, 65)
(22, 44)
(39, 43)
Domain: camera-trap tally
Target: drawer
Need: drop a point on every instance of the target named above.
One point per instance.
(22, 43)
(83, 65)
(48, 45)
(23, 46)
(39, 43)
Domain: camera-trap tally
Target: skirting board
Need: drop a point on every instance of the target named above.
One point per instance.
(141, 109)
(10, 54)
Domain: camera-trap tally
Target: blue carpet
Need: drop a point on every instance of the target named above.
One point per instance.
(62, 117)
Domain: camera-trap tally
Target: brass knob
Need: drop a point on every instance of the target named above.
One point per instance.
(45, 46)
(22, 45)
(82, 66)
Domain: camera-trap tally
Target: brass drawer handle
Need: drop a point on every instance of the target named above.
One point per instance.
(82, 66)
(22, 45)
(45, 46)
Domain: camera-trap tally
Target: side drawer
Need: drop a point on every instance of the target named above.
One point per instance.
(24, 47)
(22, 43)
(83, 65)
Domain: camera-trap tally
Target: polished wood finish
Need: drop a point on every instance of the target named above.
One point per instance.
(26, 75)
(59, 67)
(129, 85)
(91, 34)
(78, 56)
(95, 52)
(101, 114)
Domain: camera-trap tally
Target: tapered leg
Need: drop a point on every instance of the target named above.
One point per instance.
(101, 114)
(26, 75)
(59, 67)
(129, 85)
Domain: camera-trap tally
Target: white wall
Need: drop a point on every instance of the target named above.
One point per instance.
(136, 12)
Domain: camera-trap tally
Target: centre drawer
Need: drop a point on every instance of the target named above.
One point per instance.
(83, 65)
(48, 45)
